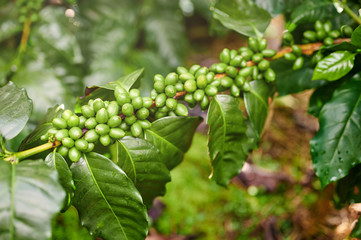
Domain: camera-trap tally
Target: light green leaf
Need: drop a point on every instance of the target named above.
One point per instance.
(143, 165)
(334, 66)
(173, 137)
(30, 196)
(336, 147)
(15, 110)
(108, 203)
(227, 136)
(241, 16)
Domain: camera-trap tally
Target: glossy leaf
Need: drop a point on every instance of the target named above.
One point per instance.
(345, 188)
(15, 110)
(256, 102)
(173, 137)
(241, 16)
(310, 11)
(55, 161)
(334, 66)
(289, 81)
(344, 46)
(30, 196)
(356, 37)
(335, 148)
(143, 165)
(108, 203)
(33, 139)
(227, 134)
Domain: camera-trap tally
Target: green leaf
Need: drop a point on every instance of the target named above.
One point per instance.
(143, 165)
(33, 139)
(345, 188)
(241, 16)
(310, 11)
(108, 203)
(256, 102)
(344, 46)
(173, 137)
(15, 110)
(106, 91)
(30, 196)
(356, 37)
(289, 81)
(336, 147)
(55, 161)
(334, 66)
(227, 134)
(356, 231)
(274, 7)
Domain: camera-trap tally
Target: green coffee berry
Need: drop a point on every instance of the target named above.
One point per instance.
(321, 35)
(102, 115)
(171, 79)
(186, 76)
(210, 77)
(114, 121)
(81, 145)
(198, 95)
(90, 102)
(298, 63)
(202, 81)
(73, 121)
(75, 133)
(346, 30)
(211, 90)
(142, 113)
(181, 110)
(160, 100)
(137, 102)
(328, 41)
(296, 50)
(310, 35)
(61, 134)
(233, 53)
(259, 76)
(145, 124)
(59, 123)
(221, 67)
(102, 129)
(263, 65)
(124, 126)
(226, 82)
(159, 86)
(128, 109)
(67, 114)
(269, 53)
(130, 120)
(262, 44)
(91, 136)
(254, 72)
(269, 75)
(136, 129)
(153, 94)
(239, 81)
(189, 98)
(90, 123)
(147, 102)
(63, 151)
(202, 71)
(170, 91)
(90, 147)
(290, 56)
(158, 77)
(98, 104)
(121, 95)
(74, 154)
(231, 71)
(133, 93)
(164, 109)
(116, 133)
(82, 120)
(316, 58)
(245, 72)
(190, 86)
(235, 91)
(247, 55)
(334, 34)
(160, 114)
(193, 69)
(204, 103)
(212, 68)
(216, 83)
(256, 58)
(44, 137)
(106, 104)
(236, 61)
(179, 87)
(253, 44)
(319, 26)
(181, 70)
(170, 103)
(172, 114)
(68, 142)
(287, 38)
(113, 108)
(225, 56)
(246, 87)
(105, 140)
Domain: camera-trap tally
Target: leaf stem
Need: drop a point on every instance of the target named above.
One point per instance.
(349, 11)
(15, 158)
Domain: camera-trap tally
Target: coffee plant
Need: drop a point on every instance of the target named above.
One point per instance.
(111, 155)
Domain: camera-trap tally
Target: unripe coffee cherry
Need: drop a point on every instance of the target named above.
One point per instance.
(61, 134)
(81, 145)
(102, 116)
(90, 123)
(136, 129)
(171, 79)
(74, 154)
(142, 113)
(68, 142)
(59, 123)
(202, 81)
(98, 104)
(91, 136)
(133, 93)
(171, 104)
(66, 114)
(128, 109)
(190, 86)
(181, 110)
(113, 108)
(73, 121)
(75, 133)
(63, 151)
(102, 129)
(170, 91)
(116, 133)
(137, 102)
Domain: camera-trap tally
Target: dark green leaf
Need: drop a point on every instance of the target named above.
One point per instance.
(173, 137)
(108, 203)
(310, 11)
(321, 96)
(345, 188)
(44, 125)
(256, 102)
(356, 231)
(336, 147)
(356, 37)
(15, 110)
(143, 165)
(55, 161)
(289, 81)
(227, 134)
(241, 16)
(344, 46)
(30, 196)
(334, 66)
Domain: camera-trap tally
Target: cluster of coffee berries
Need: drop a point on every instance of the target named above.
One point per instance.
(29, 8)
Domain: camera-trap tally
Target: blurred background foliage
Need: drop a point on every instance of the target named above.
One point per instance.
(73, 44)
